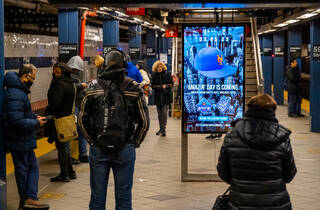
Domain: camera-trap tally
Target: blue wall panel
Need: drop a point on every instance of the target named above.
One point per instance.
(314, 77)
(68, 26)
(110, 33)
(267, 64)
(294, 39)
(278, 68)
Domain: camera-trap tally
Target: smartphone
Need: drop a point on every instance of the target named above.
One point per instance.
(48, 117)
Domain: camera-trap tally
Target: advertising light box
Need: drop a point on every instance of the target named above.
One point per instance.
(213, 77)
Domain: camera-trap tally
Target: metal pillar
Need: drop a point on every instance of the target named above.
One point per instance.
(294, 44)
(315, 75)
(267, 63)
(68, 30)
(151, 55)
(110, 34)
(278, 66)
(3, 171)
(191, 177)
(135, 42)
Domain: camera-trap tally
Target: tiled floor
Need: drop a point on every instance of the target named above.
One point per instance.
(157, 181)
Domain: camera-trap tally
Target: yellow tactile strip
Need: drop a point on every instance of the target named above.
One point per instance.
(305, 105)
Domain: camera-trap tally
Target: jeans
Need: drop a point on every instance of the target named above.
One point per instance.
(82, 143)
(122, 165)
(27, 173)
(64, 158)
(294, 103)
(82, 139)
(163, 116)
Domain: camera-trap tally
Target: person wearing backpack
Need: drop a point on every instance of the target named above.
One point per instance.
(162, 83)
(114, 118)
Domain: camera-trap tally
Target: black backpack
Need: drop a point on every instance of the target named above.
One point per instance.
(115, 117)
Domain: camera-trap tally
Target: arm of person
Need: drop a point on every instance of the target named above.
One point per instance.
(139, 77)
(289, 166)
(145, 78)
(143, 120)
(16, 116)
(223, 166)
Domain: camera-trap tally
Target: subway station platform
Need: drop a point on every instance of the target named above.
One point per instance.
(157, 179)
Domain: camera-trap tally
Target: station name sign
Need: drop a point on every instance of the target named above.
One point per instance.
(295, 52)
(267, 51)
(67, 51)
(279, 51)
(316, 52)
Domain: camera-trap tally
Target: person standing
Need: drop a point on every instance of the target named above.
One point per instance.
(61, 96)
(132, 71)
(77, 66)
(93, 118)
(294, 89)
(256, 159)
(145, 84)
(162, 83)
(21, 125)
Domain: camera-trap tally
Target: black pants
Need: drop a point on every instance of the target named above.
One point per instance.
(64, 158)
(162, 116)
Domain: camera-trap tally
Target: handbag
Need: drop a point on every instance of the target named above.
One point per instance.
(66, 126)
(222, 201)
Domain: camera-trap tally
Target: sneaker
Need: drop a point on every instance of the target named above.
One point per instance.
(293, 115)
(74, 161)
(30, 204)
(300, 115)
(163, 133)
(73, 175)
(84, 159)
(60, 178)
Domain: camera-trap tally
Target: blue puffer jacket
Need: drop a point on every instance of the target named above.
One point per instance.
(133, 72)
(19, 121)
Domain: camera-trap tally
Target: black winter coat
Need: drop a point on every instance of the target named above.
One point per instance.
(20, 123)
(162, 96)
(294, 80)
(61, 95)
(256, 159)
(90, 109)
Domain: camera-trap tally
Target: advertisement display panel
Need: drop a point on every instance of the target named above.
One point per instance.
(213, 77)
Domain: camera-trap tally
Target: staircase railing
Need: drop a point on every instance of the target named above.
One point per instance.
(257, 56)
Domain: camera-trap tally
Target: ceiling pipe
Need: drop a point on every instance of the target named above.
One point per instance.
(33, 6)
(83, 27)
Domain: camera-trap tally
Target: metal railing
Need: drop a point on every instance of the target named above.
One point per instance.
(257, 56)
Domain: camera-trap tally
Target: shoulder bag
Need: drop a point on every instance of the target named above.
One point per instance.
(222, 201)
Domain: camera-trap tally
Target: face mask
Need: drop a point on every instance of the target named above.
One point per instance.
(28, 84)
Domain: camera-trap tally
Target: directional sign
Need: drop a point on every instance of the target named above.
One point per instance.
(135, 11)
(172, 31)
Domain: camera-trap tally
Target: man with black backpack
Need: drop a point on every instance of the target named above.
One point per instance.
(114, 118)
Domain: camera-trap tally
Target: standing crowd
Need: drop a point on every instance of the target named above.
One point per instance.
(111, 114)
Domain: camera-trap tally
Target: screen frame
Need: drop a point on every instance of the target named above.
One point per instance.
(244, 25)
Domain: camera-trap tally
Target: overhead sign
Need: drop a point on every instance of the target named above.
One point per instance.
(151, 52)
(134, 53)
(279, 51)
(316, 52)
(295, 52)
(66, 51)
(267, 51)
(107, 49)
(135, 11)
(172, 31)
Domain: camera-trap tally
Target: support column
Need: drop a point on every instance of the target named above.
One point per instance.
(135, 42)
(151, 55)
(68, 30)
(278, 67)
(3, 171)
(267, 63)
(110, 34)
(294, 44)
(315, 75)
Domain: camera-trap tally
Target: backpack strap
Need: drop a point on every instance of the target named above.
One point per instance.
(125, 83)
(74, 99)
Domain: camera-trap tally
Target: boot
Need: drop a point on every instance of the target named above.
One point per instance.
(73, 175)
(74, 161)
(30, 204)
(158, 133)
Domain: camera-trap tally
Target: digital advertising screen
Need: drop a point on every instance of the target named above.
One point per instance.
(213, 77)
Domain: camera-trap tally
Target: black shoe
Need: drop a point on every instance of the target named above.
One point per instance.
(74, 161)
(84, 159)
(73, 175)
(163, 133)
(158, 133)
(60, 178)
(300, 115)
(293, 115)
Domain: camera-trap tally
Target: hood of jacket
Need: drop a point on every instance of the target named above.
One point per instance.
(11, 80)
(76, 62)
(112, 73)
(261, 132)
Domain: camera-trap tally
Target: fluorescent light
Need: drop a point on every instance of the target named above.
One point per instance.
(138, 20)
(291, 21)
(307, 15)
(147, 23)
(281, 25)
(121, 14)
(270, 30)
(317, 11)
(212, 10)
(260, 33)
(163, 29)
(156, 27)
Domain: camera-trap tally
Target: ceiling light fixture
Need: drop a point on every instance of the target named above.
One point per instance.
(291, 21)
(281, 25)
(212, 10)
(307, 15)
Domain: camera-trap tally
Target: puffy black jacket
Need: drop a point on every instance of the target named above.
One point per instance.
(94, 96)
(19, 121)
(294, 79)
(61, 95)
(256, 160)
(162, 96)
